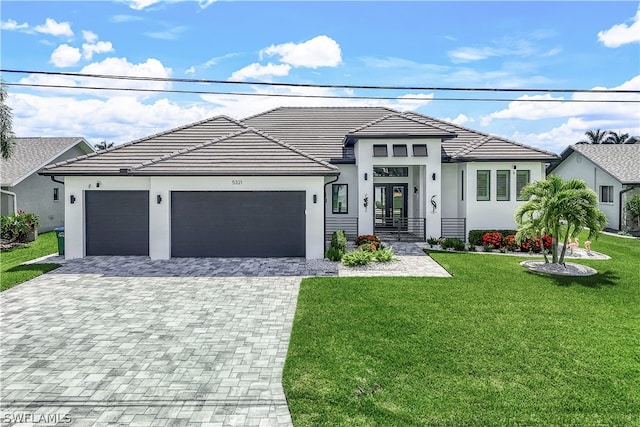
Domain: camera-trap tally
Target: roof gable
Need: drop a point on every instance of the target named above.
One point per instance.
(248, 152)
(399, 126)
(32, 154)
(622, 161)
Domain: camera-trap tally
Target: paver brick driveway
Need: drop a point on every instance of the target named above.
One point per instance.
(112, 350)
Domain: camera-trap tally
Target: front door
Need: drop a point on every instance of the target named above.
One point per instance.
(390, 201)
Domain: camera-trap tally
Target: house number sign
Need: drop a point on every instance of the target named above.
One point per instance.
(236, 182)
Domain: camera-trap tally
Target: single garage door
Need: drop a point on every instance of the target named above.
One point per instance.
(238, 224)
(117, 222)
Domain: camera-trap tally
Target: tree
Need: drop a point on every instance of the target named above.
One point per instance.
(616, 138)
(595, 137)
(103, 145)
(561, 209)
(633, 206)
(7, 141)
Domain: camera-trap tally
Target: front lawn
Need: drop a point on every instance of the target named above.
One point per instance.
(12, 273)
(494, 345)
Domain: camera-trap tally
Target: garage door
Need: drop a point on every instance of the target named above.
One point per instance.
(238, 224)
(117, 222)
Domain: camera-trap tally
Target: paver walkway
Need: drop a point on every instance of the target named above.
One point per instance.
(154, 351)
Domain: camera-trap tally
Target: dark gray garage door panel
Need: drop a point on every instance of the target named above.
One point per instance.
(238, 224)
(117, 222)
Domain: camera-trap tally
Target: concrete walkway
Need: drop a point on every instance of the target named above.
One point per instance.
(149, 351)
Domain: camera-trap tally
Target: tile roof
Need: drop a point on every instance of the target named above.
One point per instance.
(32, 154)
(248, 152)
(622, 161)
(319, 132)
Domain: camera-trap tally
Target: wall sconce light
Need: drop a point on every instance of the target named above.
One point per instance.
(415, 190)
(514, 166)
(315, 198)
(366, 176)
(98, 184)
(72, 199)
(433, 176)
(158, 199)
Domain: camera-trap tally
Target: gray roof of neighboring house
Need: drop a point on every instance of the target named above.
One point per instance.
(622, 161)
(320, 133)
(32, 154)
(248, 152)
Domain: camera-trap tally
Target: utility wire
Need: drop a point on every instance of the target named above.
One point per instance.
(287, 95)
(309, 85)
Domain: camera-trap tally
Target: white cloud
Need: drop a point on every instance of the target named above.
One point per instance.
(538, 109)
(141, 4)
(190, 70)
(257, 71)
(621, 34)
(88, 49)
(461, 119)
(11, 25)
(117, 119)
(89, 36)
(115, 66)
(125, 18)
(321, 51)
(65, 56)
(467, 54)
(54, 28)
(169, 34)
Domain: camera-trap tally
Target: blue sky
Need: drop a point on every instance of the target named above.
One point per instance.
(536, 45)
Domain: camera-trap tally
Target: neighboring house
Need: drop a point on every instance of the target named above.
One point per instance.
(611, 170)
(22, 187)
(278, 183)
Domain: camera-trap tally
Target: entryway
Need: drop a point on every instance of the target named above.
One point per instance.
(390, 202)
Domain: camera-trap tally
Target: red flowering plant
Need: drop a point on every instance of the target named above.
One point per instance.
(492, 239)
(368, 239)
(510, 243)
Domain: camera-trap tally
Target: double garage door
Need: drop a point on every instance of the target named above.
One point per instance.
(203, 223)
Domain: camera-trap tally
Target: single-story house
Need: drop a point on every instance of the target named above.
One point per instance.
(23, 189)
(611, 170)
(278, 183)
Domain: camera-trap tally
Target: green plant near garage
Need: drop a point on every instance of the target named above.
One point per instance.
(357, 258)
(453, 243)
(338, 246)
(16, 227)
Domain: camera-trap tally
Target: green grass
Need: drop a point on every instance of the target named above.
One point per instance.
(494, 345)
(12, 273)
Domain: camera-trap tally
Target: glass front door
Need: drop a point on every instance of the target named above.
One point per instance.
(390, 201)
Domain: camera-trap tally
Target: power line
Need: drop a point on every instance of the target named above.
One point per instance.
(287, 95)
(309, 85)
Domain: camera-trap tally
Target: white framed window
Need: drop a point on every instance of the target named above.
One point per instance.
(606, 194)
(339, 199)
(523, 177)
(483, 185)
(503, 187)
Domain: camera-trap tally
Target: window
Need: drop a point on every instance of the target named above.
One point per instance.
(379, 151)
(502, 185)
(339, 199)
(56, 194)
(483, 185)
(419, 150)
(462, 185)
(606, 194)
(523, 178)
(390, 171)
(399, 150)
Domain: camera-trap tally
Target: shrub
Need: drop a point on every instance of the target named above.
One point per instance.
(356, 258)
(492, 239)
(510, 242)
(432, 241)
(531, 245)
(475, 236)
(368, 238)
(384, 255)
(334, 254)
(487, 248)
(453, 243)
(15, 227)
(368, 247)
(339, 240)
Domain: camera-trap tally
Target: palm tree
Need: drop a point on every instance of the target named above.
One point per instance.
(103, 145)
(561, 209)
(595, 137)
(617, 138)
(7, 142)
